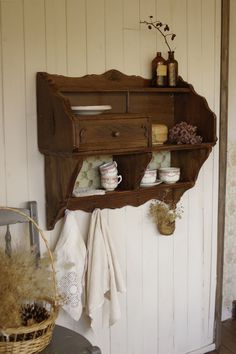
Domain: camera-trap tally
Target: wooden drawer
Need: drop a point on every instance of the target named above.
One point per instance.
(94, 134)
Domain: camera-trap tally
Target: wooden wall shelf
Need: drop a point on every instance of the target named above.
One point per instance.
(126, 133)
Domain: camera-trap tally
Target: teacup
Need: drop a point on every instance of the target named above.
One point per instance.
(110, 183)
(150, 176)
(169, 175)
(108, 169)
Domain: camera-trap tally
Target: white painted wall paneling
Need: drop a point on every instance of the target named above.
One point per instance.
(3, 190)
(169, 304)
(13, 85)
(76, 37)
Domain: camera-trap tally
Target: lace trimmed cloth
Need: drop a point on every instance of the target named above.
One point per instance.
(71, 259)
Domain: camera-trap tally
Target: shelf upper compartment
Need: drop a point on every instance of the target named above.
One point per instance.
(131, 98)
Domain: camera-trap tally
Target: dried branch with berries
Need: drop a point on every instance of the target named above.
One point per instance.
(163, 28)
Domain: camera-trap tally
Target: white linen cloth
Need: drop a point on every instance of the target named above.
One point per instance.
(71, 260)
(103, 278)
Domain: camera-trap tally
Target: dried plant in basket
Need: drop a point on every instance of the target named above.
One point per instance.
(29, 300)
(164, 215)
(21, 283)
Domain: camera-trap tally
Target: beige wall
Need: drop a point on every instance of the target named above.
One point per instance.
(169, 304)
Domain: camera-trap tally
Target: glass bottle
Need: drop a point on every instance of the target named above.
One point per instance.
(172, 70)
(159, 71)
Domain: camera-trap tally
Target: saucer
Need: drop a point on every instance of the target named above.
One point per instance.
(158, 181)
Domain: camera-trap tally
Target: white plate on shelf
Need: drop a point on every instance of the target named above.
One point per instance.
(158, 181)
(90, 110)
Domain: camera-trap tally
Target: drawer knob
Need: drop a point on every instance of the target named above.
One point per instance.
(81, 134)
(116, 134)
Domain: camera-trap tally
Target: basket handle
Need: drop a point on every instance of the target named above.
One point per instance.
(45, 242)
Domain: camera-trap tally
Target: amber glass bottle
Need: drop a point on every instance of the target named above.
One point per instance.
(172, 70)
(159, 71)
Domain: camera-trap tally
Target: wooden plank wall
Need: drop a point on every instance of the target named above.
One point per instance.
(169, 304)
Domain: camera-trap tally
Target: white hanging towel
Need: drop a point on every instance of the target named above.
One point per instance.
(71, 255)
(104, 278)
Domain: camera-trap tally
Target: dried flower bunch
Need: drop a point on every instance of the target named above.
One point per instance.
(22, 282)
(184, 133)
(163, 28)
(163, 212)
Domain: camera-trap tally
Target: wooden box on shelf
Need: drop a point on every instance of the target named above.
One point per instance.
(125, 132)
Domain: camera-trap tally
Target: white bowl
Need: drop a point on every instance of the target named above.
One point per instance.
(169, 175)
(90, 110)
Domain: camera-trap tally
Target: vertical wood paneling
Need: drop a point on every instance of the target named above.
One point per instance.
(131, 14)
(180, 270)
(96, 36)
(208, 72)
(131, 37)
(194, 43)
(114, 34)
(131, 52)
(35, 60)
(150, 283)
(14, 101)
(208, 51)
(169, 304)
(76, 37)
(179, 27)
(165, 286)
(134, 244)
(118, 332)
(56, 36)
(195, 265)
(3, 188)
(196, 212)
(147, 38)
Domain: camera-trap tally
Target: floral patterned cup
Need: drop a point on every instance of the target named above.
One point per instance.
(108, 169)
(110, 183)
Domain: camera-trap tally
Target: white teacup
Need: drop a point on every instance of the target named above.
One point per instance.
(108, 169)
(150, 176)
(110, 183)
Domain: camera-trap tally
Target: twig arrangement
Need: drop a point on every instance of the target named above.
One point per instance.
(163, 28)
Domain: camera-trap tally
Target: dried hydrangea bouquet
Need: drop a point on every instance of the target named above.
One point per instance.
(164, 215)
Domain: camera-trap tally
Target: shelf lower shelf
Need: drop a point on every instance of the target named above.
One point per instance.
(118, 198)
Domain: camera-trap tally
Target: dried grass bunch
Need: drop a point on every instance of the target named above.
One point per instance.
(22, 281)
(162, 212)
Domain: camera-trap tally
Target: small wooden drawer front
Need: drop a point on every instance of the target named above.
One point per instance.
(112, 134)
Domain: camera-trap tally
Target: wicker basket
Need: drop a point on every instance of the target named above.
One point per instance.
(33, 338)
